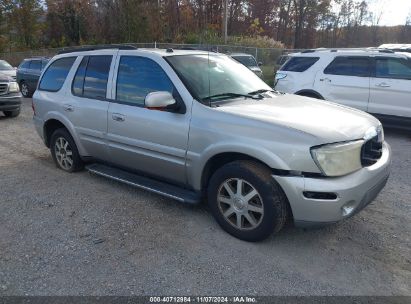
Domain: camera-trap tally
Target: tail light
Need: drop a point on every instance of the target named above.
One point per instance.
(32, 106)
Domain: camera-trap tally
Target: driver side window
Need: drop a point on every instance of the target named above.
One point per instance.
(138, 76)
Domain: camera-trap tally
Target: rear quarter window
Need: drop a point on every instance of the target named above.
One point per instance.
(55, 75)
(25, 64)
(299, 64)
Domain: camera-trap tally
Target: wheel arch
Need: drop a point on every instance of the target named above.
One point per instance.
(54, 121)
(215, 160)
(309, 93)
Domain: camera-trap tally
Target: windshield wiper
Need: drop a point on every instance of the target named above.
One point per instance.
(261, 91)
(229, 95)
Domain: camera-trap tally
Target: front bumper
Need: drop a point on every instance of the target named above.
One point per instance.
(357, 189)
(10, 102)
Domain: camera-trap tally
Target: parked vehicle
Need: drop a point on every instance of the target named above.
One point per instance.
(7, 69)
(396, 47)
(28, 74)
(10, 97)
(376, 81)
(191, 125)
(249, 61)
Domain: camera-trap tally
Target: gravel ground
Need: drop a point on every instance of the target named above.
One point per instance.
(79, 234)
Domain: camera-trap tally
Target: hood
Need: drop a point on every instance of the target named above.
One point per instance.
(326, 121)
(10, 73)
(5, 77)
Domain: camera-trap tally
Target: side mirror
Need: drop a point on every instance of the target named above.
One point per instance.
(160, 101)
(260, 63)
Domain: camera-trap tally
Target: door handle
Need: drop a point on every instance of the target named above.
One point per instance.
(325, 79)
(383, 85)
(118, 117)
(68, 108)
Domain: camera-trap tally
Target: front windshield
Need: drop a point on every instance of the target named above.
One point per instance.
(5, 66)
(215, 74)
(248, 61)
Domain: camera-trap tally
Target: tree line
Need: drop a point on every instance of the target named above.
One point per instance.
(31, 24)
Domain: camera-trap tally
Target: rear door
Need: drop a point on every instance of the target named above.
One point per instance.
(34, 74)
(391, 87)
(88, 104)
(149, 141)
(346, 80)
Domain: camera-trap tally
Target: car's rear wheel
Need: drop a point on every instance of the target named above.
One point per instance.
(64, 151)
(246, 201)
(14, 113)
(25, 90)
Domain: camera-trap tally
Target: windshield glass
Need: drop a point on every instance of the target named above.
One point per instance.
(248, 61)
(215, 75)
(5, 66)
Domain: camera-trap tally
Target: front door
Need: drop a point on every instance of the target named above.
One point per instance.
(149, 141)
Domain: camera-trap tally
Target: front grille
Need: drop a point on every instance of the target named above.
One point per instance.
(3, 88)
(371, 152)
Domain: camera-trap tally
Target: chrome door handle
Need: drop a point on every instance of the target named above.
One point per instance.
(383, 85)
(68, 108)
(118, 117)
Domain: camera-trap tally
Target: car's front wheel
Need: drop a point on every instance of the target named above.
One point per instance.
(246, 201)
(64, 151)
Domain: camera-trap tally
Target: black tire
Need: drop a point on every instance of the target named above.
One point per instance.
(311, 95)
(274, 202)
(25, 90)
(77, 163)
(14, 113)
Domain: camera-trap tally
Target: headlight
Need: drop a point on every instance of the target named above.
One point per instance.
(279, 76)
(13, 87)
(338, 159)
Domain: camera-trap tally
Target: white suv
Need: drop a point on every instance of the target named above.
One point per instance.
(376, 81)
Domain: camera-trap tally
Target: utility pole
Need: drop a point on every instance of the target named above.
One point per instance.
(225, 17)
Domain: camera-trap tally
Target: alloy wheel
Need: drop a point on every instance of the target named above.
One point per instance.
(64, 154)
(24, 89)
(240, 204)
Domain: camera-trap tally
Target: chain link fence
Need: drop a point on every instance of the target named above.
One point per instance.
(268, 57)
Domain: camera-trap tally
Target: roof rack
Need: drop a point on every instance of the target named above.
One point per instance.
(96, 47)
(370, 49)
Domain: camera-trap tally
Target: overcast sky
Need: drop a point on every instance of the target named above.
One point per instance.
(395, 12)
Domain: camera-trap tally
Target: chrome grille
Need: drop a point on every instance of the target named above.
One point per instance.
(3, 88)
(371, 151)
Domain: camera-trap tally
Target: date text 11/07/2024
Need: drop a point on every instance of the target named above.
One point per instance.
(183, 299)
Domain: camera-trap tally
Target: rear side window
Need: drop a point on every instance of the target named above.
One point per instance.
(349, 66)
(395, 68)
(44, 63)
(35, 65)
(92, 76)
(138, 76)
(25, 64)
(55, 75)
(299, 64)
(78, 81)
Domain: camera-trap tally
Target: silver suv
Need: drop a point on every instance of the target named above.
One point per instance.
(193, 125)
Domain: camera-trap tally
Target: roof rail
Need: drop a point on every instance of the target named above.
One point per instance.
(96, 47)
(308, 51)
(370, 49)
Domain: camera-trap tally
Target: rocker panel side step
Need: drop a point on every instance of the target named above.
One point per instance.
(142, 182)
